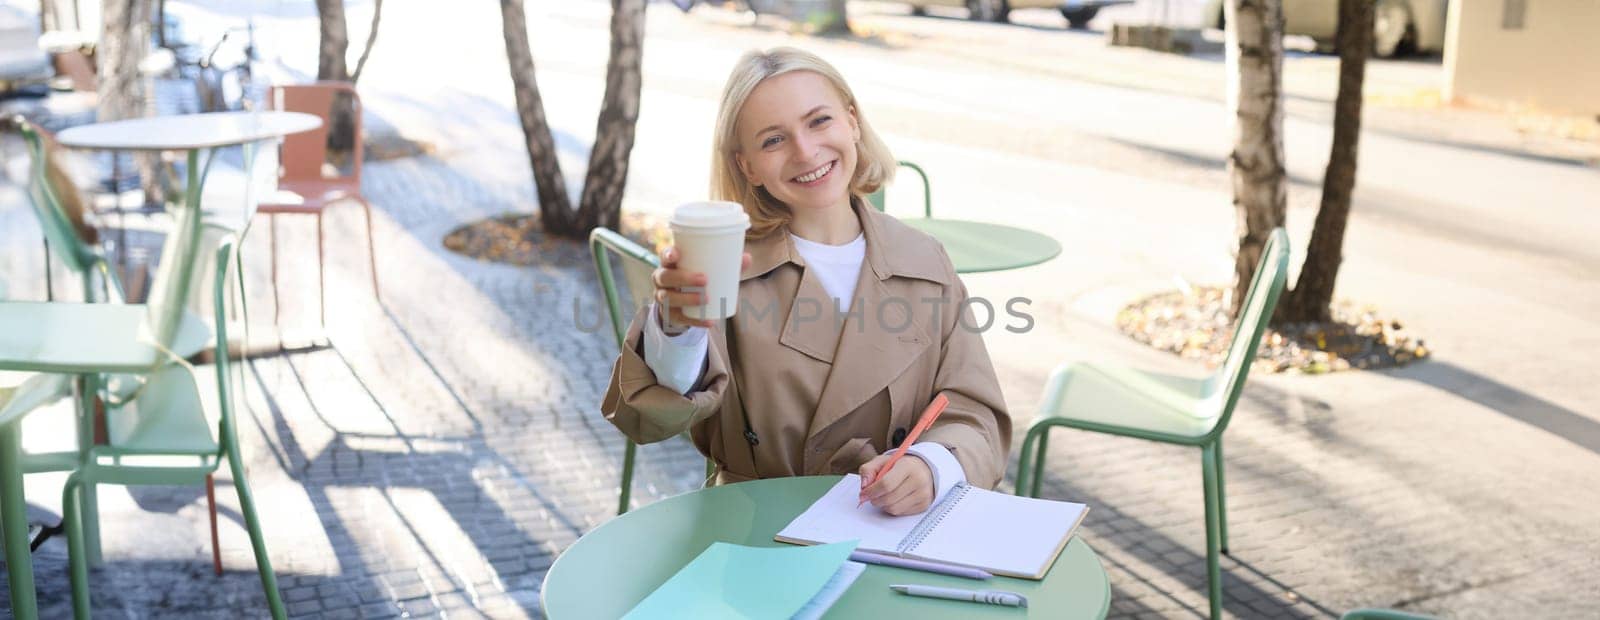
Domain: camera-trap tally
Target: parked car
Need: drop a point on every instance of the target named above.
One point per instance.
(1077, 12)
(1399, 26)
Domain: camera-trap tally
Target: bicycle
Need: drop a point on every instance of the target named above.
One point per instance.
(214, 91)
(754, 6)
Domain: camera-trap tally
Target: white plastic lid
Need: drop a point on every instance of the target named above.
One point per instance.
(710, 216)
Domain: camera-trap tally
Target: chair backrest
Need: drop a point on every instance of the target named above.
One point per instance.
(169, 288)
(48, 194)
(302, 154)
(1272, 272)
(638, 263)
(877, 198)
(219, 297)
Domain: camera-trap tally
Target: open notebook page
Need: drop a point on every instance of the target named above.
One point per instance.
(1001, 533)
(835, 518)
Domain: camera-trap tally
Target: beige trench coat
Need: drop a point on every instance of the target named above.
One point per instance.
(824, 392)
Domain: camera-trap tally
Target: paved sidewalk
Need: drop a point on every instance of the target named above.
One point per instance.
(448, 447)
(1403, 95)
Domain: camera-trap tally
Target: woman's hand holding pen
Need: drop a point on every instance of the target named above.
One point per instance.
(670, 294)
(907, 488)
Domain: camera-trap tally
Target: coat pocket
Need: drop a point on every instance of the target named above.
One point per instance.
(849, 458)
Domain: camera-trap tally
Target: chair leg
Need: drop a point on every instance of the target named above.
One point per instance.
(211, 503)
(1038, 464)
(77, 554)
(322, 289)
(272, 235)
(1222, 499)
(372, 252)
(14, 522)
(1030, 462)
(258, 543)
(627, 476)
(1208, 471)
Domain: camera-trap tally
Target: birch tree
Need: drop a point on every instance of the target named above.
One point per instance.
(1256, 170)
(601, 201)
(121, 89)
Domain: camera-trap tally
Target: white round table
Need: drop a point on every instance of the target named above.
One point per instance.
(187, 132)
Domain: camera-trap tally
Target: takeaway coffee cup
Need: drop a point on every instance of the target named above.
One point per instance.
(710, 240)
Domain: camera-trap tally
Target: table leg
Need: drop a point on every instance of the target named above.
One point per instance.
(88, 396)
(14, 519)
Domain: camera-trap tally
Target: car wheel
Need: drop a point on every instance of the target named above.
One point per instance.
(1078, 19)
(981, 10)
(919, 10)
(1002, 12)
(1391, 26)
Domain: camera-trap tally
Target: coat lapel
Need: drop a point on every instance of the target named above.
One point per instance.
(879, 339)
(877, 344)
(812, 326)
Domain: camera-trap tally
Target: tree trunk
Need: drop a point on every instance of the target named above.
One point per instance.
(1255, 94)
(372, 37)
(161, 23)
(334, 41)
(601, 204)
(1313, 292)
(47, 16)
(555, 207)
(332, 48)
(124, 39)
(840, 16)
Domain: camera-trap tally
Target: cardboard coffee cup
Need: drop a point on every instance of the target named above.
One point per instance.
(710, 240)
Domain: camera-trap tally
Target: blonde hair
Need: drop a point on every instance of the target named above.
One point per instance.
(875, 165)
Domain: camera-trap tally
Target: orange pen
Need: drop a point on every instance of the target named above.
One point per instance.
(928, 416)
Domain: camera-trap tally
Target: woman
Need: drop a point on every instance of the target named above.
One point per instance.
(787, 386)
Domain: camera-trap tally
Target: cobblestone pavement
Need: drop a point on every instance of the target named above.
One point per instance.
(447, 447)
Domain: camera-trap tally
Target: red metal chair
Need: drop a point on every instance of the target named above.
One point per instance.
(305, 184)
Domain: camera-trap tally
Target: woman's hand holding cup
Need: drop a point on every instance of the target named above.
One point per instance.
(677, 288)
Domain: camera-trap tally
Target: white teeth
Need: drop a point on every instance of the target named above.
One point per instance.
(816, 174)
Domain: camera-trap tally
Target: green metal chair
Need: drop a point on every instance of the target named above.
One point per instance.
(637, 265)
(170, 284)
(877, 198)
(182, 331)
(80, 257)
(1169, 409)
(1381, 614)
(21, 394)
(164, 435)
(172, 324)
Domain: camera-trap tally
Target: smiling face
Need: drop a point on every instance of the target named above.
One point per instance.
(797, 139)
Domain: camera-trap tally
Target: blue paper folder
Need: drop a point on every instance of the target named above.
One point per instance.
(735, 581)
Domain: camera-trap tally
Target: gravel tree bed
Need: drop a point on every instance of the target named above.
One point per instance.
(1196, 326)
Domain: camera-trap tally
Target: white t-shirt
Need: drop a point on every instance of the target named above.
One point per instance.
(677, 361)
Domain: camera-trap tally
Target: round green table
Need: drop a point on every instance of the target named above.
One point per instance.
(616, 565)
(980, 246)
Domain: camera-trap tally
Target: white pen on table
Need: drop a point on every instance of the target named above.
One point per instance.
(991, 597)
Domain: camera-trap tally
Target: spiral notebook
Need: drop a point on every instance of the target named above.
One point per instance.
(967, 526)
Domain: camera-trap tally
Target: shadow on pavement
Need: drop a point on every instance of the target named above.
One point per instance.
(1579, 429)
